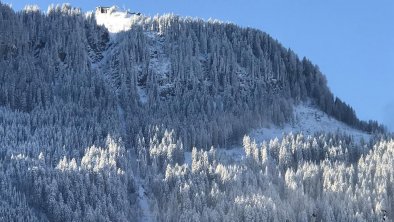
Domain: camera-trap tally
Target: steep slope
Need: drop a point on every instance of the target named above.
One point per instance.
(97, 111)
(237, 80)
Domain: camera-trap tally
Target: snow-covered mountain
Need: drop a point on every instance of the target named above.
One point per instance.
(115, 116)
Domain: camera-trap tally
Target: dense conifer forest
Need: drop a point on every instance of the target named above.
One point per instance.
(95, 125)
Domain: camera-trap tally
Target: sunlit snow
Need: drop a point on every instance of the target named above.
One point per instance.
(116, 20)
(308, 121)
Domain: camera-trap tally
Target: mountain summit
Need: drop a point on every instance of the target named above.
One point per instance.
(115, 19)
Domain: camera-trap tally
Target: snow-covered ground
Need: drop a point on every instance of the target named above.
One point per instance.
(144, 204)
(143, 94)
(116, 20)
(308, 120)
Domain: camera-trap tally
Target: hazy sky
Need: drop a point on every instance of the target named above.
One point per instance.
(352, 41)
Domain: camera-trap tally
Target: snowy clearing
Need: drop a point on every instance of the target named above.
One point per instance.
(308, 120)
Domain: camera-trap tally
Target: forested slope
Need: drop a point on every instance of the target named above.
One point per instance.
(89, 117)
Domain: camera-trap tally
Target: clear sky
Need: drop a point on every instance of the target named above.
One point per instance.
(352, 41)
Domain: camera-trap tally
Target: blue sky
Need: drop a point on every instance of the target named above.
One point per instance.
(351, 41)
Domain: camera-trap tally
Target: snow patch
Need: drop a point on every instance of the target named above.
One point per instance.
(188, 158)
(116, 20)
(144, 204)
(142, 93)
(308, 120)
